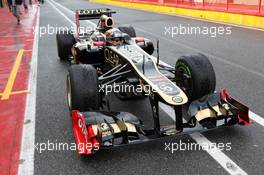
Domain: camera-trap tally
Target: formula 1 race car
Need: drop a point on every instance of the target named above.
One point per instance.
(121, 59)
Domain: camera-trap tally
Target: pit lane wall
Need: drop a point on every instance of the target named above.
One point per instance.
(239, 17)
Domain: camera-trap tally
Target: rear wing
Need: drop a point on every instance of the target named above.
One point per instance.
(89, 14)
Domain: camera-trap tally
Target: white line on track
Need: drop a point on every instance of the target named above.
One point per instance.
(62, 14)
(26, 166)
(230, 166)
(256, 118)
(93, 24)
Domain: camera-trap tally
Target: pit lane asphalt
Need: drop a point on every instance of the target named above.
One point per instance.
(243, 47)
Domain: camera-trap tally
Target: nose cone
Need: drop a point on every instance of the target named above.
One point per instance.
(178, 99)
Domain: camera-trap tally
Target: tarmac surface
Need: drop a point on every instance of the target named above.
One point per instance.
(238, 61)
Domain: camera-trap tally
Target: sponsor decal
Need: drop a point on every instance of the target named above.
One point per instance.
(166, 87)
(106, 130)
(177, 99)
(111, 57)
(82, 126)
(91, 11)
(133, 54)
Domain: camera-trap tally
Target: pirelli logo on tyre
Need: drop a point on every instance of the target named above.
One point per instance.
(177, 99)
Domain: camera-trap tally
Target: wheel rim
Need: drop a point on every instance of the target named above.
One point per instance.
(184, 68)
(69, 95)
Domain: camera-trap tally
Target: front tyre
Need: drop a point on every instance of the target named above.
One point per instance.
(201, 75)
(82, 88)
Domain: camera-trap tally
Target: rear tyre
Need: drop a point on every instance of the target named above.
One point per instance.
(202, 75)
(128, 30)
(82, 88)
(65, 41)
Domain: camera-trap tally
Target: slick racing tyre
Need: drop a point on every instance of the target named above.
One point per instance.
(82, 88)
(128, 30)
(201, 73)
(65, 41)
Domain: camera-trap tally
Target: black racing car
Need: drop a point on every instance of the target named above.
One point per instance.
(101, 66)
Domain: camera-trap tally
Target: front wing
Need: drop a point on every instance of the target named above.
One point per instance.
(102, 130)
